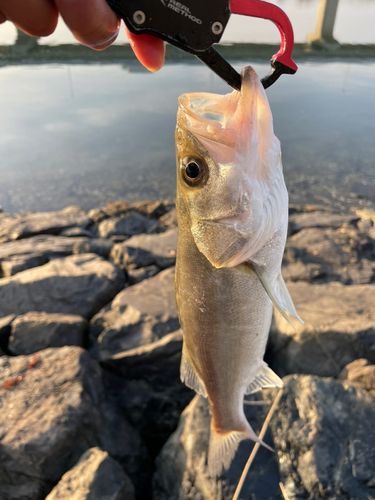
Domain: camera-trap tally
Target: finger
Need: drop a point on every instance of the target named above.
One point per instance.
(2, 18)
(34, 17)
(149, 50)
(92, 22)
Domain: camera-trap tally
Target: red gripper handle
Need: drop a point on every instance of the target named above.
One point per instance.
(265, 10)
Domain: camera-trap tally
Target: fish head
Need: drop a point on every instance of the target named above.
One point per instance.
(229, 172)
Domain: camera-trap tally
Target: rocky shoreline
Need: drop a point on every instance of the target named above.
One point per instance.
(90, 346)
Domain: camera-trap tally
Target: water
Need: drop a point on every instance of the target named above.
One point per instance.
(88, 133)
(85, 133)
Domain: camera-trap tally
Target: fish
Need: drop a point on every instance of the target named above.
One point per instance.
(232, 213)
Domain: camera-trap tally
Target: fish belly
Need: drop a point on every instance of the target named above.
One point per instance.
(225, 318)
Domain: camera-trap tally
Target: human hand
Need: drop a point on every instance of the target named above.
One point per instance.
(92, 23)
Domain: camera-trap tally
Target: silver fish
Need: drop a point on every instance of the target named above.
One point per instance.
(232, 209)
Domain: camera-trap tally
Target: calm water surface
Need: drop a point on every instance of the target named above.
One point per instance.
(86, 134)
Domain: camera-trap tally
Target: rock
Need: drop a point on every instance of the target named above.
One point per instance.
(54, 408)
(19, 263)
(17, 256)
(35, 331)
(73, 232)
(364, 214)
(325, 439)
(146, 250)
(360, 371)
(137, 275)
(181, 470)
(321, 220)
(49, 247)
(145, 382)
(339, 328)
(96, 476)
(17, 226)
(169, 220)
(137, 316)
(365, 225)
(97, 215)
(127, 225)
(329, 255)
(153, 209)
(79, 284)
(146, 359)
(99, 246)
(5, 329)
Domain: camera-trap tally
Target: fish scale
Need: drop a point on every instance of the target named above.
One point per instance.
(232, 211)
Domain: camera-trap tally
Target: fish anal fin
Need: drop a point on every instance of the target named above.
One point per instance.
(223, 447)
(264, 377)
(189, 376)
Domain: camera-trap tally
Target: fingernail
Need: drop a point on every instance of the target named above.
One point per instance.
(105, 42)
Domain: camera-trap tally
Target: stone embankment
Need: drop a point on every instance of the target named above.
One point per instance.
(91, 404)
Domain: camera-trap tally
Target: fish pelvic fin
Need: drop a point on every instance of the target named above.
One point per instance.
(189, 376)
(264, 377)
(223, 446)
(278, 293)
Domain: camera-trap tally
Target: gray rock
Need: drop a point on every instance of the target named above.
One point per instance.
(80, 284)
(5, 329)
(97, 215)
(54, 411)
(96, 476)
(339, 328)
(147, 358)
(360, 371)
(50, 247)
(100, 246)
(146, 250)
(35, 331)
(17, 256)
(325, 439)
(181, 470)
(18, 263)
(137, 275)
(127, 225)
(169, 220)
(330, 255)
(137, 316)
(17, 226)
(153, 209)
(365, 225)
(321, 220)
(73, 232)
(145, 382)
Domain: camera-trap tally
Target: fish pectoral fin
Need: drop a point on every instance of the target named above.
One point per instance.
(189, 376)
(285, 299)
(264, 377)
(278, 294)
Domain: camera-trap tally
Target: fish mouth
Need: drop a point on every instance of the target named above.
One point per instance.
(206, 115)
(223, 119)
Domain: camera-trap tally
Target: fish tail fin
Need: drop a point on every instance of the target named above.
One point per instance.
(223, 446)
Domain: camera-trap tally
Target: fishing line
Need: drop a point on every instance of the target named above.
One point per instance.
(257, 445)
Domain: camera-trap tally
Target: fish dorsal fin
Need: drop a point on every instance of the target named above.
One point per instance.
(278, 294)
(189, 376)
(264, 377)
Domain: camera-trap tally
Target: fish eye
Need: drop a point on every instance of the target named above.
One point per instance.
(193, 171)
